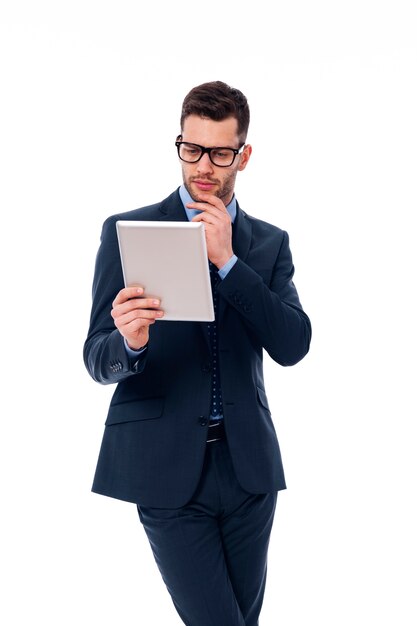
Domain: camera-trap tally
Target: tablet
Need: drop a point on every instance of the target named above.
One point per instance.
(169, 260)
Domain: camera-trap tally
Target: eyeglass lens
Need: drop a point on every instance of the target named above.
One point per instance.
(219, 156)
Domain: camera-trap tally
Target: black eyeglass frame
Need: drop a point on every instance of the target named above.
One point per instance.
(204, 150)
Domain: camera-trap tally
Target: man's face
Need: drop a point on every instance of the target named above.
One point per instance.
(203, 176)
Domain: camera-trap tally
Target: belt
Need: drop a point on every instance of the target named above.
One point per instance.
(216, 431)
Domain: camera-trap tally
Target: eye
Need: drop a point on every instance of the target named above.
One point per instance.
(222, 153)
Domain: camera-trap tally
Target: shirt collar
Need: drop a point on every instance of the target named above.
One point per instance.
(186, 198)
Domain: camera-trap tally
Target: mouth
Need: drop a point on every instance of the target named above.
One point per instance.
(204, 185)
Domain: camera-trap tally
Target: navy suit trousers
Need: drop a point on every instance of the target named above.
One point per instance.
(212, 553)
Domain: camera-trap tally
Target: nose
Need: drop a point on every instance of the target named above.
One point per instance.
(204, 164)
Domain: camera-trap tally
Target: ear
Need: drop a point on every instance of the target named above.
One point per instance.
(247, 151)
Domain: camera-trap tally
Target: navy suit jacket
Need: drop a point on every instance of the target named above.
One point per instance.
(155, 434)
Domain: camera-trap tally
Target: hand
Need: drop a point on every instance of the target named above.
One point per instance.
(133, 313)
(218, 227)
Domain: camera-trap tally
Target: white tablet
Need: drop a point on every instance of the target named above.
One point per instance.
(169, 260)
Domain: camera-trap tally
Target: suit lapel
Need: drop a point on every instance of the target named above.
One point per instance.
(241, 242)
(242, 235)
(172, 209)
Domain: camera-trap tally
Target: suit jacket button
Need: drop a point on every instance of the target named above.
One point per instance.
(202, 420)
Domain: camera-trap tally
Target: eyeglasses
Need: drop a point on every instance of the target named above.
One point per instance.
(192, 152)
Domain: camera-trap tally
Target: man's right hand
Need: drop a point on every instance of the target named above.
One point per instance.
(133, 313)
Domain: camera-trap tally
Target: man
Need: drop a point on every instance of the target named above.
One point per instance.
(189, 436)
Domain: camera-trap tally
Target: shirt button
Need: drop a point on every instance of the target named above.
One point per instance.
(202, 420)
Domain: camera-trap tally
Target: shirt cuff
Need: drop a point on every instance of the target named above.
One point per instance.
(133, 353)
(223, 271)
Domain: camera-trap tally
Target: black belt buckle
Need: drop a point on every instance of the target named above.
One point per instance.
(215, 431)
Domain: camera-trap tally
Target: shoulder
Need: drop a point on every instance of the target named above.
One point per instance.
(147, 213)
(261, 228)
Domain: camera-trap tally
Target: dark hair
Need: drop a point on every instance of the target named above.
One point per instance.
(218, 101)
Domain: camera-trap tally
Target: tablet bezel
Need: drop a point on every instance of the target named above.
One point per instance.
(169, 260)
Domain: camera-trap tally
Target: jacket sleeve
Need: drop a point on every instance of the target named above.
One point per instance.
(272, 309)
(105, 356)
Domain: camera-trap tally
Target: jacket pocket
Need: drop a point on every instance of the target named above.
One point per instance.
(263, 399)
(146, 409)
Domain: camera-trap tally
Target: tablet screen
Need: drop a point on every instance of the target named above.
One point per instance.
(169, 260)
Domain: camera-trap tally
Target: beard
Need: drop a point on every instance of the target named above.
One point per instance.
(225, 187)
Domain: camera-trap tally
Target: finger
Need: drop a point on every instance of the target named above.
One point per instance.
(211, 219)
(213, 212)
(207, 208)
(141, 317)
(135, 304)
(134, 327)
(127, 293)
(200, 218)
(212, 200)
(207, 202)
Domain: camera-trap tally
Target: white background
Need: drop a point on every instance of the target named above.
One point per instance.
(90, 100)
